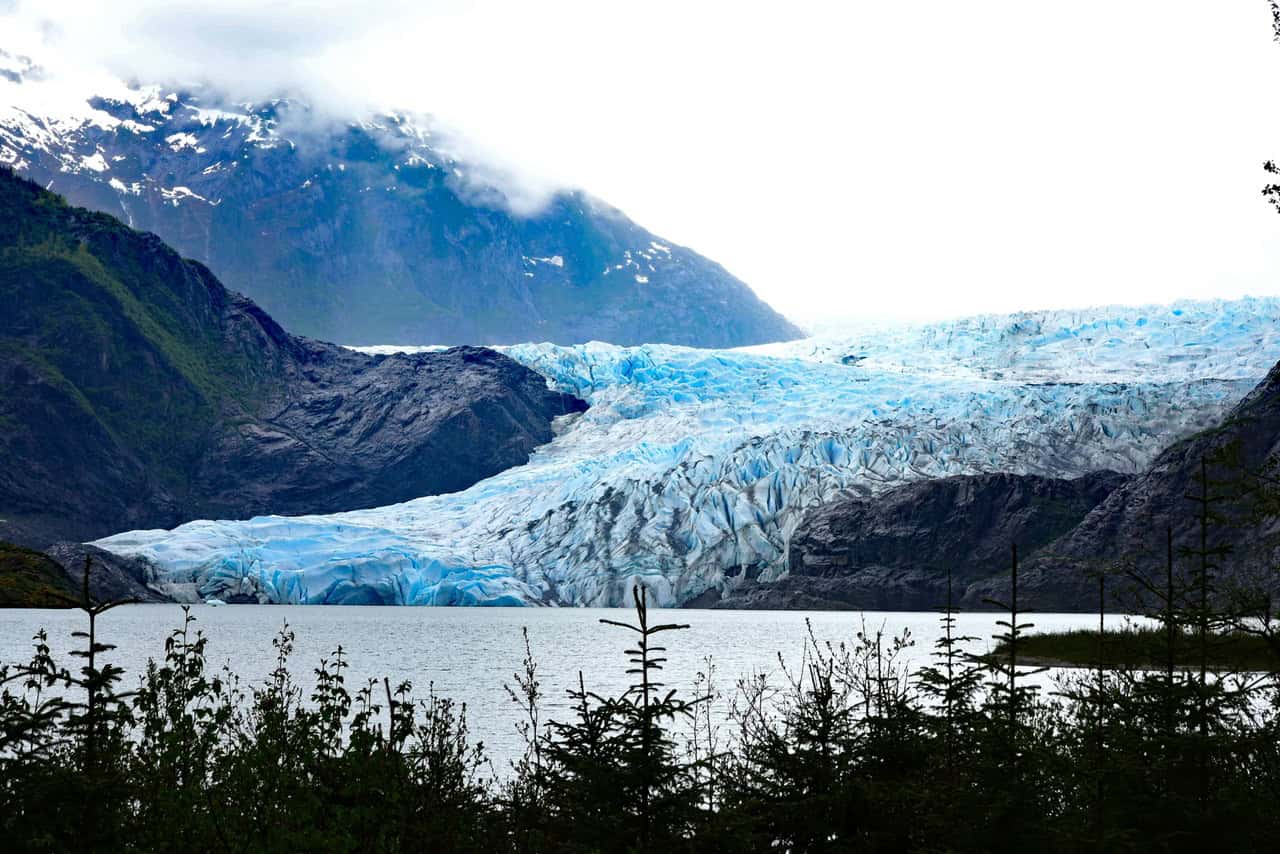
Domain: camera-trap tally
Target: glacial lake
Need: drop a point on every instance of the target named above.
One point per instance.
(469, 654)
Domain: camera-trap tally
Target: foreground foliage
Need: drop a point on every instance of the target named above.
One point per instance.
(850, 751)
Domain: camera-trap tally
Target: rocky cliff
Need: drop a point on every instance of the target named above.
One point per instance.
(1127, 532)
(893, 551)
(136, 391)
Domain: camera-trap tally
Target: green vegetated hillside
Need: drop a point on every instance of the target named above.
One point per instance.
(137, 391)
(29, 579)
(113, 358)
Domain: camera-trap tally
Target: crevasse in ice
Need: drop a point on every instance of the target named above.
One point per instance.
(693, 467)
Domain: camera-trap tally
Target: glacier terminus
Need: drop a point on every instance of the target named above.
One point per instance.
(692, 467)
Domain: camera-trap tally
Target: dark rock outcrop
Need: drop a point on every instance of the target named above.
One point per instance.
(1127, 532)
(893, 551)
(112, 578)
(365, 234)
(136, 391)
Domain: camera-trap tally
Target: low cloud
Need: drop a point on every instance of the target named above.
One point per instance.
(908, 159)
(332, 55)
(249, 50)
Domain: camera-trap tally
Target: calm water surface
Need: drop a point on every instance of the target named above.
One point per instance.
(469, 654)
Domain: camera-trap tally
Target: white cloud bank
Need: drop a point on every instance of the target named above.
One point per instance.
(852, 158)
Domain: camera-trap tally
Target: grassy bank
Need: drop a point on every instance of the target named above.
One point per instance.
(1143, 648)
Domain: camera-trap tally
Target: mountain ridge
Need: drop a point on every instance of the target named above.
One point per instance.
(364, 233)
(137, 390)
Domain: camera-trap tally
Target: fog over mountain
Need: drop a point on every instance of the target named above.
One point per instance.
(365, 230)
(830, 155)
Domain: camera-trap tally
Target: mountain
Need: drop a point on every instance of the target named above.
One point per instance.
(893, 551)
(366, 233)
(693, 469)
(136, 391)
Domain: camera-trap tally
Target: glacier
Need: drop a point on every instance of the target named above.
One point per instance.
(692, 467)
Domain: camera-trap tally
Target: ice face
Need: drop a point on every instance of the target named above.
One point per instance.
(693, 467)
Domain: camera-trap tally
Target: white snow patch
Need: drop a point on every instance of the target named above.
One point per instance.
(148, 100)
(95, 161)
(179, 141)
(553, 260)
(209, 117)
(175, 195)
(13, 159)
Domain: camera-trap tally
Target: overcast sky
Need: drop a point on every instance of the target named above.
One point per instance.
(846, 159)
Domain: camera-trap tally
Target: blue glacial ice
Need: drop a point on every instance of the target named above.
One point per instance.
(693, 467)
